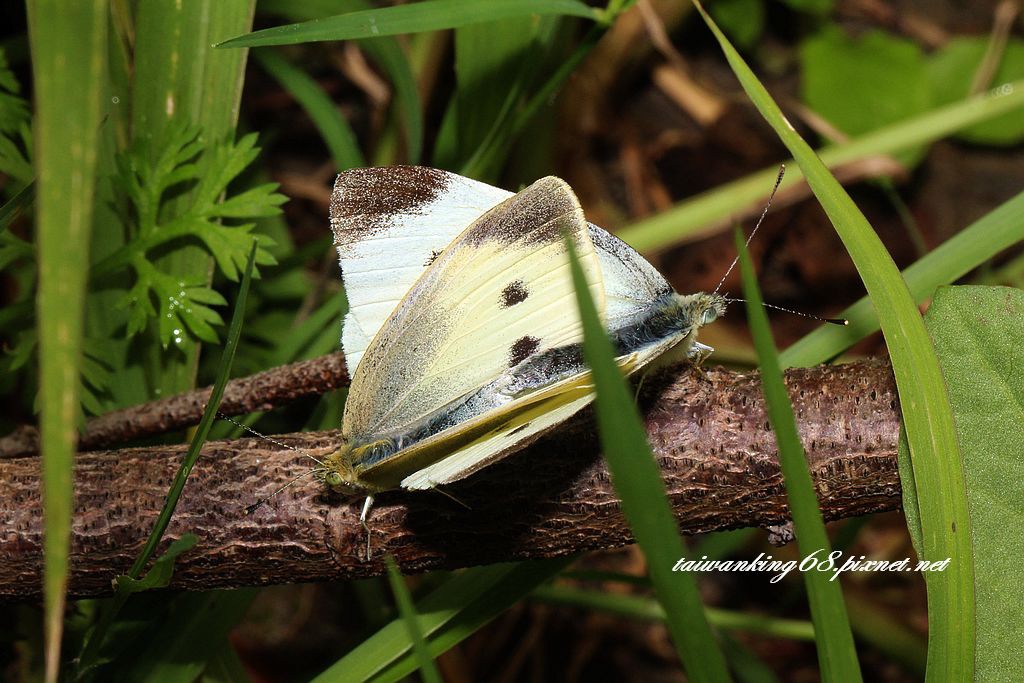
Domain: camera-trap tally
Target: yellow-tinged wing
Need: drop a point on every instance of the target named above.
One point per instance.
(498, 295)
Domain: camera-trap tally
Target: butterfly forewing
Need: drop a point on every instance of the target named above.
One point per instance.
(498, 294)
(391, 223)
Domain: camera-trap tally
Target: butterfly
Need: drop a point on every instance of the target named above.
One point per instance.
(462, 338)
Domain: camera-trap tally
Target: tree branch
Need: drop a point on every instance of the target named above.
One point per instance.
(262, 391)
(708, 430)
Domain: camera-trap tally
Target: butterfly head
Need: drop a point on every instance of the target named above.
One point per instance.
(707, 308)
(339, 474)
(341, 468)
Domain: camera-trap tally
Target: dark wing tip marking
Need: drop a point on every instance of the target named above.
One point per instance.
(514, 293)
(535, 215)
(365, 200)
(433, 257)
(523, 348)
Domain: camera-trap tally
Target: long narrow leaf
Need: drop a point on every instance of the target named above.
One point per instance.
(68, 53)
(178, 79)
(95, 641)
(385, 51)
(326, 117)
(710, 212)
(428, 669)
(447, 616)
(639, 607)
(837, 656)
(430, 15)
(927, 416)
(639, 486)
(997, 230)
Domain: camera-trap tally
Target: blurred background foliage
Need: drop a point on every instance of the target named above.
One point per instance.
(636, 109)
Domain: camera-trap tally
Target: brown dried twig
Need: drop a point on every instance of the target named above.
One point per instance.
(262, 391)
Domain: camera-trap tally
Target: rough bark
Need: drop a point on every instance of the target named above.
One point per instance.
(708, 430)
(262, 391)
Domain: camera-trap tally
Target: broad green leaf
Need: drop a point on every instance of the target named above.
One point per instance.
(927, 415)
(638, 483)
(429, 15)
(994, 232)
(178, 647)
(68, 52)
(951, 72)
(860, 85)
(978, 333)
(837, 656)
(819, 7)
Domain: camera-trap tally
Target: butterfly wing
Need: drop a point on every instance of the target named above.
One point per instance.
(500, 293)
(391, 222)
(388, 224)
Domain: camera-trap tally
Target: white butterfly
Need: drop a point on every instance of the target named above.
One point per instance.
(462, 339)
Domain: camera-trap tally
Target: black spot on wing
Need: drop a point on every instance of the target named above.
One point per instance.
(522, 349)
(514, 293)
(365, 200)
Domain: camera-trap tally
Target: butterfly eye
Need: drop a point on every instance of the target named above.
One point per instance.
(709, 316)
(332, 479)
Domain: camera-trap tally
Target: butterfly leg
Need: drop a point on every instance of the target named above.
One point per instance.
(699, 353)
(367, 504)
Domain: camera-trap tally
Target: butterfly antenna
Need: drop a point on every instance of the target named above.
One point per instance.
(768, 205)
(270, 439)
(833, 321)
(249, 509)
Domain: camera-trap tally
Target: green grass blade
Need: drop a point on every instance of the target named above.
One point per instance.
(493, 72)
(389, 56)
(326, 117)
(997, 230)
(428, 669)
(386, 52)
(927, 416)
(451, 613)
(638, 483)
(430, 15)
(68, 52)
(837, 656)
(179, 77)
(710, 212)
(639, 607)
(21, 200)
